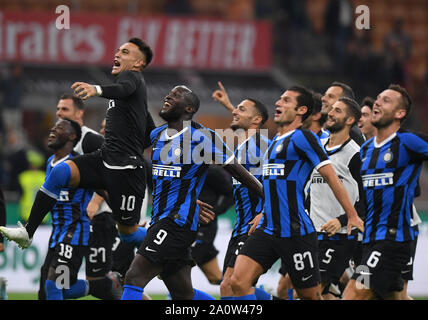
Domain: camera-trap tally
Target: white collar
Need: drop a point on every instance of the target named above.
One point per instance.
(379, 145)
(285, 134)
(53, 164)
(167, 137)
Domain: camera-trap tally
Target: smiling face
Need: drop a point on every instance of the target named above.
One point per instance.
(60, 134)
(365, 122)
(286, 108)
(329, 98)
(386, 109)
(174, 105)
(337, 117)
(244, 115)
(128, 57)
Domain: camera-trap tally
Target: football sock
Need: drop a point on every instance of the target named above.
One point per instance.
(132, 293)
(290, 294)
(52, 292)
(135, 238)
(262, 295)
(79, 289)
(41, 206)
(200, 295)
(247, 297)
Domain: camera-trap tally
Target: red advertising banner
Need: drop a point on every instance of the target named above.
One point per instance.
(177, 42)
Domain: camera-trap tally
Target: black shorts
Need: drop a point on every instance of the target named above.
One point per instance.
(203, 249)
(381, 266)
(233, 249)
(101, 239)
(168, 244)
(125, 187)
(67, 258)
(299, 254)
(407, 273)
(334, 256)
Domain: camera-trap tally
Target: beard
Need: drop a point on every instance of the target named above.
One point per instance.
(335, 127)
(170, 115)
(383, 122)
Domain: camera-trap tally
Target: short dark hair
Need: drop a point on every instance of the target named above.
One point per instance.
(77, 102)
(190, 97)
(304, 99)
(261, 109)
(144, 48)
(406, 101)
(347, 90)
(76, 128)
(367, 101)
(317, 102)
(353, 108)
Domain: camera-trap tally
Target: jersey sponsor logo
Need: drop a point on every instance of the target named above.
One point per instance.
(273, 169)
(317, 178)
(378, 179)
(166, 171)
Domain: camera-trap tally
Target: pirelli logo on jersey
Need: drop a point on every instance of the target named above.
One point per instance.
(166, 171)
(317, 178)
(273, 169)
(378, 179)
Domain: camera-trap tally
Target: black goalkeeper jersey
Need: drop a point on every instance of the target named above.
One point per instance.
(128, 121)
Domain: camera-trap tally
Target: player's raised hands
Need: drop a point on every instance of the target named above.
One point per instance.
(221, 96)
(84, 90)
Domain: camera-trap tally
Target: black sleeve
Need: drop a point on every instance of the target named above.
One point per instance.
(354, 168)
(356, 135)
(2, 213)
(126, 83)
(150, 126)
(92, 142)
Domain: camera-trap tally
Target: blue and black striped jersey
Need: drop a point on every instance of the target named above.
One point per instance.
(180, 164)
(247, 204)
(287, 166)
(390, 172)
(70, 222)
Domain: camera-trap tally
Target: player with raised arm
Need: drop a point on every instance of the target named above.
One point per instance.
(391, 165)
(182, 152)
(285, 231)
(118, 166)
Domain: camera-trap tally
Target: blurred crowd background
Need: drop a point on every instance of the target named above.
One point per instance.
(309, 42)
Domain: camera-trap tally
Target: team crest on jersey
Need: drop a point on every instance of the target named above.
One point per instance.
(278, 148)
(63, 196)
(387, 157)
(177, 152)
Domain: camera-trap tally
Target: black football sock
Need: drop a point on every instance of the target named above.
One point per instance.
(102, 289)
(41, 206)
